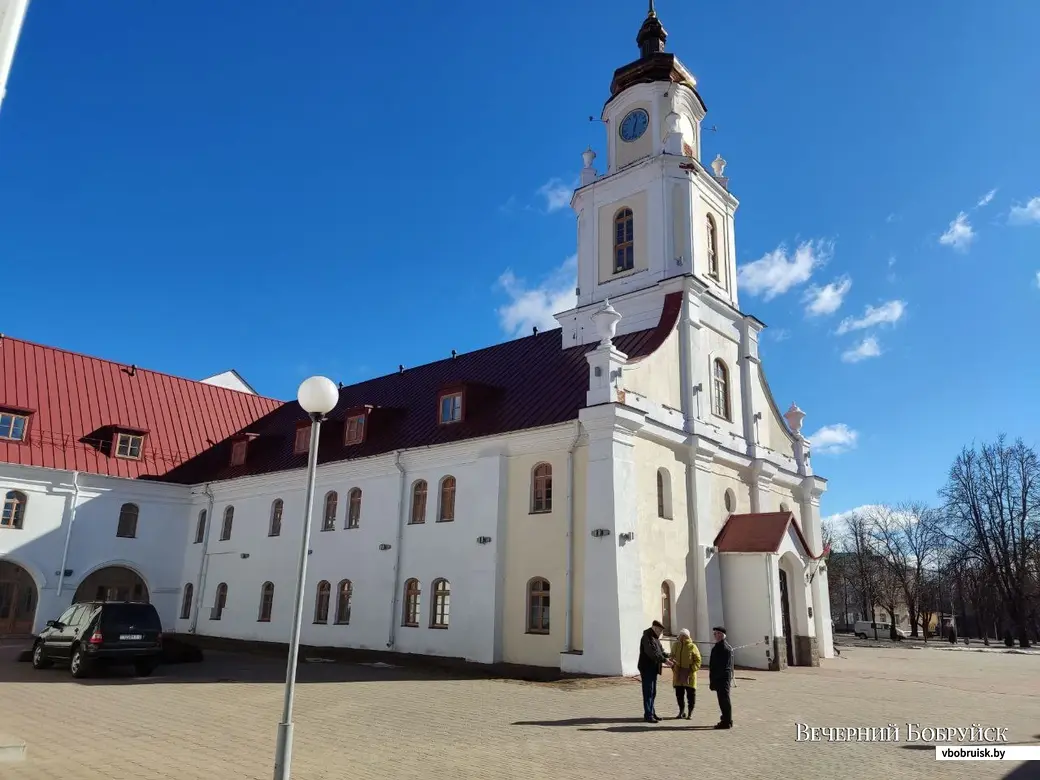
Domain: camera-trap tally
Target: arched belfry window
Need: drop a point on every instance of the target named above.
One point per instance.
(720, 388)
(711, 234)
(624, 241)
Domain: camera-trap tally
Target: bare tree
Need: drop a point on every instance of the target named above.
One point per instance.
(906, 538)
(865, 561)
(992, 511)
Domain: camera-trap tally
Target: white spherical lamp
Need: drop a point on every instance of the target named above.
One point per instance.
(318, 395)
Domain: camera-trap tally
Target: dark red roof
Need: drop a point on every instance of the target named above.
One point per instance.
(527, 383)
(758, 533)
(78, 402)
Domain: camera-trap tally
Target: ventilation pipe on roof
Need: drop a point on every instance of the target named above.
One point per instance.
(68, 530)
(401, 505)
(203, 561)
(568, 618)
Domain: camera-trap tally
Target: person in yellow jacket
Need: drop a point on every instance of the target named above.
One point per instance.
(687, 660)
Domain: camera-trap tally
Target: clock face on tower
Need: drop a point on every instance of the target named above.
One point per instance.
(634, 124)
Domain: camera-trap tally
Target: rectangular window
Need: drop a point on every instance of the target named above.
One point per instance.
(302, 442)
(238, 452)
(355, 429)
(128, 445)
(12, 426)
(451, 408)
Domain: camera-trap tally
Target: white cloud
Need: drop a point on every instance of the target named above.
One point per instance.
(891, 218)
(1038, 278)
(867, 348)
(777, 272)
(833, 439)
(986, 199)
(959, 235)
(886, 314)
(891, 260)
(780, 334)
(534, 307)
(1023, 215)
(827, 299)
(557, 194)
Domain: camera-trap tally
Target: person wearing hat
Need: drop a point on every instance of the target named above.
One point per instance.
(720, 675)
(651, 658)
(686, 660)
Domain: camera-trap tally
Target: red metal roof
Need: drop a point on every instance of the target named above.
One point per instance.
(526, 383)
(77, 402)
(758, 533)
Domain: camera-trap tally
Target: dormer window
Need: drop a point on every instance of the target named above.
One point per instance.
(302, 442)
(129, 445)
(238, 452)
(355, 429)
(450, 408)
(13, 425)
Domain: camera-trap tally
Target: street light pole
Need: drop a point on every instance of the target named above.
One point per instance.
(317, 396)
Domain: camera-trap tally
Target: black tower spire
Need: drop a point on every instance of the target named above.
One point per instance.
(651, 35)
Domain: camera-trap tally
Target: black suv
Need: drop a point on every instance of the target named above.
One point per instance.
(101, 632)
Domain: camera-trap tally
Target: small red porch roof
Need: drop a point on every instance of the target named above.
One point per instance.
(760, 532)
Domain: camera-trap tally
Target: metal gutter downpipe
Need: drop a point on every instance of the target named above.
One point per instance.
(397, 552)
(568, 620)
(68, 531)
(203, 562)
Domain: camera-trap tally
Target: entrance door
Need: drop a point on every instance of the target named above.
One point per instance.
(785, 609)
(17, 600)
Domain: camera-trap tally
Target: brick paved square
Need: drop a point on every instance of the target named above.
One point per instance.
(218, 719)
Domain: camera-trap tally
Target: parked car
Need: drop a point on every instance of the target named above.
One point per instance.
(866, 630)
(96, 633)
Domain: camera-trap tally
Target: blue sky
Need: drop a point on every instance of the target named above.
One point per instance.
(339, 188)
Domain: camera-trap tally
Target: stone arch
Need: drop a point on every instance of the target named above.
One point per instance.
(796, 623)
(114, 581)
(19, 598)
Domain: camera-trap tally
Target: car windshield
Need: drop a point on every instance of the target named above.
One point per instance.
(119, 617)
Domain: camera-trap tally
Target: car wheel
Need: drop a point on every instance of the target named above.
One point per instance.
(144, 668)
(39, 660)
(79, 666)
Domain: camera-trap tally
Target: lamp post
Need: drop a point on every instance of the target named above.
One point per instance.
(317, 396)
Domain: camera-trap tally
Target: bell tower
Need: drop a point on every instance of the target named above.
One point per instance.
(656, 213)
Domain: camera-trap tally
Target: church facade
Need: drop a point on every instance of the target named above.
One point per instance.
(538, 502)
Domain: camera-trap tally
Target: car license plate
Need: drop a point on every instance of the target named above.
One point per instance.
(130, 637)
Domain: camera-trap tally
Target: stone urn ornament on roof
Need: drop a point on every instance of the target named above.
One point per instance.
(794, 417)
(606, 321)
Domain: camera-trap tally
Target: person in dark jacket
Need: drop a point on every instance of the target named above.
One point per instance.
(720, 676)
(652, 658)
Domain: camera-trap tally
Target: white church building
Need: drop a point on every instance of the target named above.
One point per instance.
(538, 502)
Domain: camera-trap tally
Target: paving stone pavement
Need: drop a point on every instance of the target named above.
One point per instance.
(217, 720)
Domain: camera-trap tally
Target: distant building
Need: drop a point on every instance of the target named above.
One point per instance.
(537, 502)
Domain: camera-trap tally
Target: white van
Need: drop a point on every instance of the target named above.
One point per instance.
(864, 629)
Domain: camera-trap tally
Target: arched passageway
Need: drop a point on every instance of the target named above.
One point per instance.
(113, 583)
(18, 600)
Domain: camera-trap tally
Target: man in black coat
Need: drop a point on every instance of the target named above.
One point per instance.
(652, 658)
(720, 676)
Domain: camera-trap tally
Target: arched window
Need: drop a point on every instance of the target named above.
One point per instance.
(441, 604)
(664, 493)
(14, 509)
(711, 233)
(418, 502)
(321, 602)
(541, 488)
(219, 602)
(225, 527)
(446, 509)
(274, 527)
(186, 599)
(354, 508)
(200, 528)
(666, 608)
(720, 385)
(266, 602)
(127, 525)
(343, 593)
(412, 592)
(328, 521)
(538, 606)
(624, 244)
